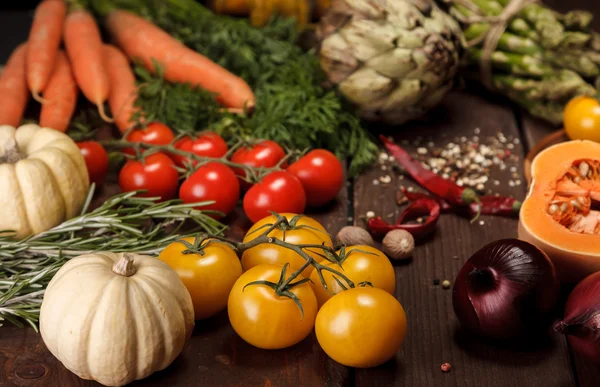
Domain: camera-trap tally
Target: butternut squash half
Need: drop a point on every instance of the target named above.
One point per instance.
(561, 214)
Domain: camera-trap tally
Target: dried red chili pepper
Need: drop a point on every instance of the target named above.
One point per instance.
(442, 188)
(420, 207)
(496, 205)
(489, 205)
(412, 196)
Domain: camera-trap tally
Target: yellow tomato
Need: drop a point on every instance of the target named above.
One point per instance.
(265, 319)
(209, 277)
(361, 327)
(270, 254)
(582, 119)
(362, 264)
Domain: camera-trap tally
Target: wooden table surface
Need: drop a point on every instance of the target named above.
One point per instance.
(216, 356)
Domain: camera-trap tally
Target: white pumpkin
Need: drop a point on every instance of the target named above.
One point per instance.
(43, 178)
(116, 318)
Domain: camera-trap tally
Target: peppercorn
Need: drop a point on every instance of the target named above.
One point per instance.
(436, 282)
(446, 367)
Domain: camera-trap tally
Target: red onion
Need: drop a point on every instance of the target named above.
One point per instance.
(582, 318)
(505, 290)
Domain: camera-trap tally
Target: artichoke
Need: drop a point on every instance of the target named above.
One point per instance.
(393, 59)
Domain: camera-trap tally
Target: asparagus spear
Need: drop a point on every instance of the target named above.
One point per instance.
(577, 20)
(543, 19)
(508, 42)
(517, 64)
(560, 86)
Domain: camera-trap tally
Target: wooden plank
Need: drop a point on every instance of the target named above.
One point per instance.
(433, 335)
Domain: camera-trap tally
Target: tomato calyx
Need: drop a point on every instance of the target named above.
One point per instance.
(201, 242)
(284, 286)
(285, 225)
(343, 254)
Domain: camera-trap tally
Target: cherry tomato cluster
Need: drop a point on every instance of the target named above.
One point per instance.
(314, 180)
(272, 305)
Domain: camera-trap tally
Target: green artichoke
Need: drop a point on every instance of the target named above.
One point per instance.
(393, 59)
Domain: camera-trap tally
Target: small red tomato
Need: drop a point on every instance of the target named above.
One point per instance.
(154, 133)
(207, 144)
(279, 191)
(263, 154)
(96, 160)
(321, 175)
(156, 174)
(212, 181)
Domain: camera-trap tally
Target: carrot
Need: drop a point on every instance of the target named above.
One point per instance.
(43, 43)
(13, 88)
(142, 40)
(123, 91)
(60, 96)
(84, 48)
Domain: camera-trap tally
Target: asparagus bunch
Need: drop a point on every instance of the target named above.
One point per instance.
(542, 60)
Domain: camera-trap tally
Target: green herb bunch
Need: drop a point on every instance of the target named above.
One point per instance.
(292, 107)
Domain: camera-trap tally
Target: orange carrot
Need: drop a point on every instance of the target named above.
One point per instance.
(43, 43)
(123, 91)
(60, 96)
(13, 88)
(142, 40)
(84, 48)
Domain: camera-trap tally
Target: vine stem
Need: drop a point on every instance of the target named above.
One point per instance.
(170, 148)
(299, 249)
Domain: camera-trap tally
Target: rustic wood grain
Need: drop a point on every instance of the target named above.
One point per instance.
(433, 335)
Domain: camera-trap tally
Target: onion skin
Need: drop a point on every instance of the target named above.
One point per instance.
(506, 290)
(582, 318)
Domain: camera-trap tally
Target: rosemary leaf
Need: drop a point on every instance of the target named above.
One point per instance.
(124, 223)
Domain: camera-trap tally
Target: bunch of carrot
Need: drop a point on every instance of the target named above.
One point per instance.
(103, 72)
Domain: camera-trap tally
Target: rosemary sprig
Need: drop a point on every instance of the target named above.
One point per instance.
(124, 223)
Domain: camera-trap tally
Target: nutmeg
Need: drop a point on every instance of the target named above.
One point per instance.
(351, 236)
(398, 244)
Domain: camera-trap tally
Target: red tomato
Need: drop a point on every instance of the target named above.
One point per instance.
(321, 175)
(208, 144)
(279, 191)
(263, 154)
(156, 174)
(96, 160)
(154, 133)
(212, 181)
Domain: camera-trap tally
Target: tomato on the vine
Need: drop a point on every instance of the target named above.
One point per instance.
(96, 160)
(361, 327)
(156, 174)
(268, 320)
(306, 231)
(582, 119)
(321, 175)
(360, 264)
(208, 274)
(212, 182)
(154, 133)
(279, 191)
(263, 154)
(208, 144)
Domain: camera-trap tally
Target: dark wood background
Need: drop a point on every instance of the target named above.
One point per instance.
(216, 356)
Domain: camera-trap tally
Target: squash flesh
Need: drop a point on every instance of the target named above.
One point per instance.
(565, 237)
